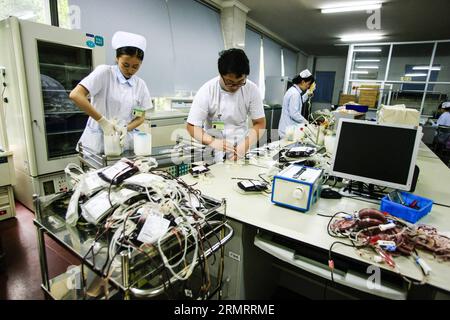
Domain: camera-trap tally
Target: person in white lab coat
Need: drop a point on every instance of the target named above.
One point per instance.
(221, 107)
(119, 98)
(444, 119)
(294, 100)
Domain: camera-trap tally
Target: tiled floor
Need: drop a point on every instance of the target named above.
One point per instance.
(20, 276)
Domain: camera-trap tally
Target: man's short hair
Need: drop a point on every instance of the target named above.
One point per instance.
(233, 61)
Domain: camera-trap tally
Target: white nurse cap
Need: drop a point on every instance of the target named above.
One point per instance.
(305, 74)
(446, 105)
(127, 39)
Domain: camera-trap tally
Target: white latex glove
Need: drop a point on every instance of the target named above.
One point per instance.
(107, 126)
(312, 88)
(122, 130)
(222, 145)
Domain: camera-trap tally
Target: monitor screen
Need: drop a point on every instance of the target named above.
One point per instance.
(380, 154)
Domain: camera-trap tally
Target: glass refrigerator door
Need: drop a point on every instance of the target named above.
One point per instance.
(55, 60)
(61, 69)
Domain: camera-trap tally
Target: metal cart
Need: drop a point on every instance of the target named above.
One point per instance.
(138, 271)
(176, 159)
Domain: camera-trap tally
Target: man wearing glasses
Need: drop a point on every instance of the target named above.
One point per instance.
(219, 112)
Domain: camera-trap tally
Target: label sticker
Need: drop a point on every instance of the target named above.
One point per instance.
(219, 125)
(99, 41)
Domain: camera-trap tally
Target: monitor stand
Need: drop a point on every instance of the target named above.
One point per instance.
(361, 189)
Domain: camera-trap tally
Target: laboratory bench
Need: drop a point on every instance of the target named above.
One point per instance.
(293, 246)
(290, 246)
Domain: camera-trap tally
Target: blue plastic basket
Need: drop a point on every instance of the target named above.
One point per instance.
(357, 107)
(406, 213)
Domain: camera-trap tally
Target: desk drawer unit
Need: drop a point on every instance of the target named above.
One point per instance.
(7, 207)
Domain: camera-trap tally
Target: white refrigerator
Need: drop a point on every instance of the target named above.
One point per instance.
(42, 64)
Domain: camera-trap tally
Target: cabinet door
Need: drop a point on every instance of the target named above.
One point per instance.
(61, 69)
(56, 60)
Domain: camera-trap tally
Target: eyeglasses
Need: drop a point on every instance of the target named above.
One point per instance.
(231, 84)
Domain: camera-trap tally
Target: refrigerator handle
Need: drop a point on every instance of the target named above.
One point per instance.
(37, 124)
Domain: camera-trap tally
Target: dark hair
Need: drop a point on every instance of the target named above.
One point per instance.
(299, 79)
(130, 51)
(233, 61)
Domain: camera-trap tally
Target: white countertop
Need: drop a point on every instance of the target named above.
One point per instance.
(6, 153)
(257, 210)
(165, 114)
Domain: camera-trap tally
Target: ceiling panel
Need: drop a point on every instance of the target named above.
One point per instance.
(301, 23)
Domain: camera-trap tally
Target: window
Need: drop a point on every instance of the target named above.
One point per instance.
(414, 55)
(272, 58)
(290, 63)
(414, 74)
(252, 50)
(68, 16)
(369, 63)
(33, 10)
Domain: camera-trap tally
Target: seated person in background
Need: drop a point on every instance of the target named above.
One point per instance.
(444, 118)
(438, 112)
(442, 138)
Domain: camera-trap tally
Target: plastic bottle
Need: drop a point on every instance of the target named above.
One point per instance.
(142, 143)
(112, 145)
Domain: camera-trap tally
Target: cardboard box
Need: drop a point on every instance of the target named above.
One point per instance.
(344, 98)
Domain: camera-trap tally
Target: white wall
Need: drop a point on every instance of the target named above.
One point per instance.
(302, 62)
(184, 38)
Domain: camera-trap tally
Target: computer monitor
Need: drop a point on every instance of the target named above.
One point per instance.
(379, 154)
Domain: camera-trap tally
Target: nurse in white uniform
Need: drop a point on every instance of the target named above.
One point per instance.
(294, 101)
(118, 98)
(220, 110)
(444, 119)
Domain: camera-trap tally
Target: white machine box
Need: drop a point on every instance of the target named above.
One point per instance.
(297, 187)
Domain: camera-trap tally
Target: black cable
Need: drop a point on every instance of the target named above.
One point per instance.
(329, 223)
(111, 183)
(330, 251)
(260, 176)
(91, 248)
(335, 182)
(202, 262)
(360, 199)
(442, 205)
(324, 215)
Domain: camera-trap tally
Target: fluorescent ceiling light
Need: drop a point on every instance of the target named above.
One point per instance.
(415, 75)
(361, 37)
(357, 6)
(360, 72)
(367, 60)
(426, 68)
(367, 67)
(367, 50)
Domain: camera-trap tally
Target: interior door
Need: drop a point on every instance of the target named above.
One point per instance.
(56, 60)
(325, 86)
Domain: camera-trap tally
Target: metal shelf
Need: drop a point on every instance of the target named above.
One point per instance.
(51, 65)
(62, 112)
(55, 90)
(64, 132)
